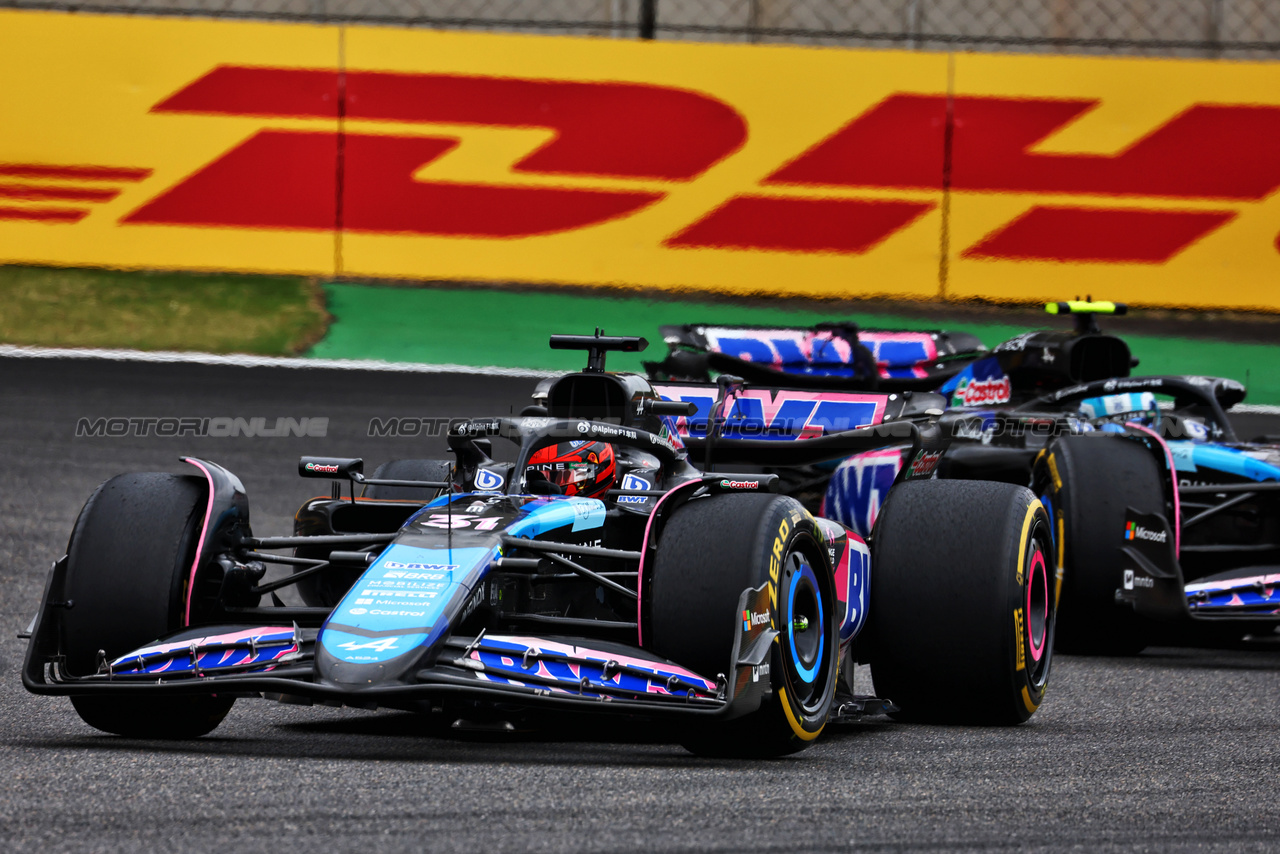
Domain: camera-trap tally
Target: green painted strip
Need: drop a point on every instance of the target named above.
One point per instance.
(490, 326)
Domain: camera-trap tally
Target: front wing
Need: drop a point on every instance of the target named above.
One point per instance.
(277, 662)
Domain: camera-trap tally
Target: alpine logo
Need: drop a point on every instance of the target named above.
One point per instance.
(751, 618)
(634, 483)
(487, 480)
(380, 645)
(984, 392)
(1134, 531)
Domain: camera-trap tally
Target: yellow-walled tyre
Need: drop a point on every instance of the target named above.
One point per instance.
(712, 550)
(1090, 481)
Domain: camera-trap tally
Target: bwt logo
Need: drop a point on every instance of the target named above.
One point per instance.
(617, 148)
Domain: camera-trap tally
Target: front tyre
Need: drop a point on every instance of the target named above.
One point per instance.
(128, 566)
(712, 550)
(963, 602)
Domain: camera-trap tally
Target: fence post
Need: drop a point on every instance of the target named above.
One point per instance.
(911, 23)
(1213, 28)
(648, 18)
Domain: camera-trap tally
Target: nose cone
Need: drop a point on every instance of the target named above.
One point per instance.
(392, 619)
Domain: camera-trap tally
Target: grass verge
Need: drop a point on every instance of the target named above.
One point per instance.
(482, 326)
(509, 328)
(213, 313)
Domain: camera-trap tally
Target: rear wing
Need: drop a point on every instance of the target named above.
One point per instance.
(828, 355)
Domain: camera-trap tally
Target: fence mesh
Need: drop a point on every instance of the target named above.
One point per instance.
(1216, 28)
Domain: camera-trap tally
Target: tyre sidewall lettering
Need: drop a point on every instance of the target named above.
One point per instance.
(790, 531)
(776, 554)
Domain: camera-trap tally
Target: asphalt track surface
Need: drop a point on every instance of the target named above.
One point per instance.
(1175, 750)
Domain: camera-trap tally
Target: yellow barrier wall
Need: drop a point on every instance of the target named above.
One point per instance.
(169, 143)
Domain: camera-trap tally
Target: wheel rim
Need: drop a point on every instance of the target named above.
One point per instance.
(1039, 607)
(804, 625)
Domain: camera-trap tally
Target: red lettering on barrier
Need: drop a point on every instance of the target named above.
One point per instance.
(79, 173)
(800, 225)
(620, 130)
(285, 179)
(50, 215)
(233, 90)
(1084, 234)
(1208, 151)
(282, 179)
(276, 179)
(66, 190)
(897, 143)
(381, 196)
(35, 193)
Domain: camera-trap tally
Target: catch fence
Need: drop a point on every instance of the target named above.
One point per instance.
(1234, 29)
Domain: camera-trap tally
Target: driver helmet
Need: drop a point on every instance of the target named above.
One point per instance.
(586, 469)
(1136, 404)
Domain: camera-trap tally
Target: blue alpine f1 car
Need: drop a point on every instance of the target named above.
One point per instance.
(1163, 516)
(602, 571)
(1170, 519)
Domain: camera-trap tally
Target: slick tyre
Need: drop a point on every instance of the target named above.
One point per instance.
(962, 602)
(711, 551)
(436, 470)
(128, 563)
(1089, 481)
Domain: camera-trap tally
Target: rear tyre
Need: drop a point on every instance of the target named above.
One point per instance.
(962, 602)
(1090, 481)
(437, 470)
(128, 563)
(712, 550)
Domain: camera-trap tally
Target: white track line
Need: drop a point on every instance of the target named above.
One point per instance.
(242, 361)
(12, 351)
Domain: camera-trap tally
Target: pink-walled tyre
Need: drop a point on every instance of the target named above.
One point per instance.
(962, 602)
